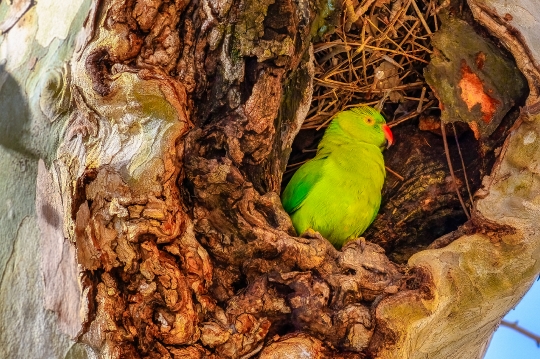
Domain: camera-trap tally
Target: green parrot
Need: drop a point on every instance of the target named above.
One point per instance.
(338, 193)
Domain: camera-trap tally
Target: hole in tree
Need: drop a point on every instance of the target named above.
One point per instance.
(424, 205)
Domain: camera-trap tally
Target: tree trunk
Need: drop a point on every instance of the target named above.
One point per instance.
(164, 129)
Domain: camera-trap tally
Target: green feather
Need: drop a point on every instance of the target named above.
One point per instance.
(338, 193)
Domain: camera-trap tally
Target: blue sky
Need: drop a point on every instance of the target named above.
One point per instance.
(509, 344)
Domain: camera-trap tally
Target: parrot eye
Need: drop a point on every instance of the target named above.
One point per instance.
(369, 120)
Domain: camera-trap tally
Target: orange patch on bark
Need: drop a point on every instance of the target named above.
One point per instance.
(472, 93)
(480, 60)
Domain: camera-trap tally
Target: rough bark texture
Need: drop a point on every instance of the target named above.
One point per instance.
(187, 251)
(166, 180)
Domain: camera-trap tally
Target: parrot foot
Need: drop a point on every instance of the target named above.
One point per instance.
(360, 241)
(310, 233)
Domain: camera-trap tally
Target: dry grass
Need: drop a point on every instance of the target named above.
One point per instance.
(376, 57)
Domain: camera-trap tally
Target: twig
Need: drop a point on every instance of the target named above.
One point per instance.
(421, 17)
(421, 101)
(293, 166)
(410, 115)
(463, 165)
(400, 177)
(345, 86)
(364, 42)
(362, 9)
(521, 330)
(325, 123)
(325, 46)
(347, 60)
(397, 52)
(392, 61)
(447, 151)
(337, 50)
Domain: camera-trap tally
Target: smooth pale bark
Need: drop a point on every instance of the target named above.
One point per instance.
(35, 44)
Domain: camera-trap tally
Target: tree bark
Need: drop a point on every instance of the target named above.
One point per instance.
(168, 126)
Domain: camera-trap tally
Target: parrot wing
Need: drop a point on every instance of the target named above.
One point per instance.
(302, 183)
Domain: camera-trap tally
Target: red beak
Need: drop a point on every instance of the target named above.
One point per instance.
(388, 135)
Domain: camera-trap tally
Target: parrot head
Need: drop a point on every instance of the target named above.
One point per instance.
(364, 124)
